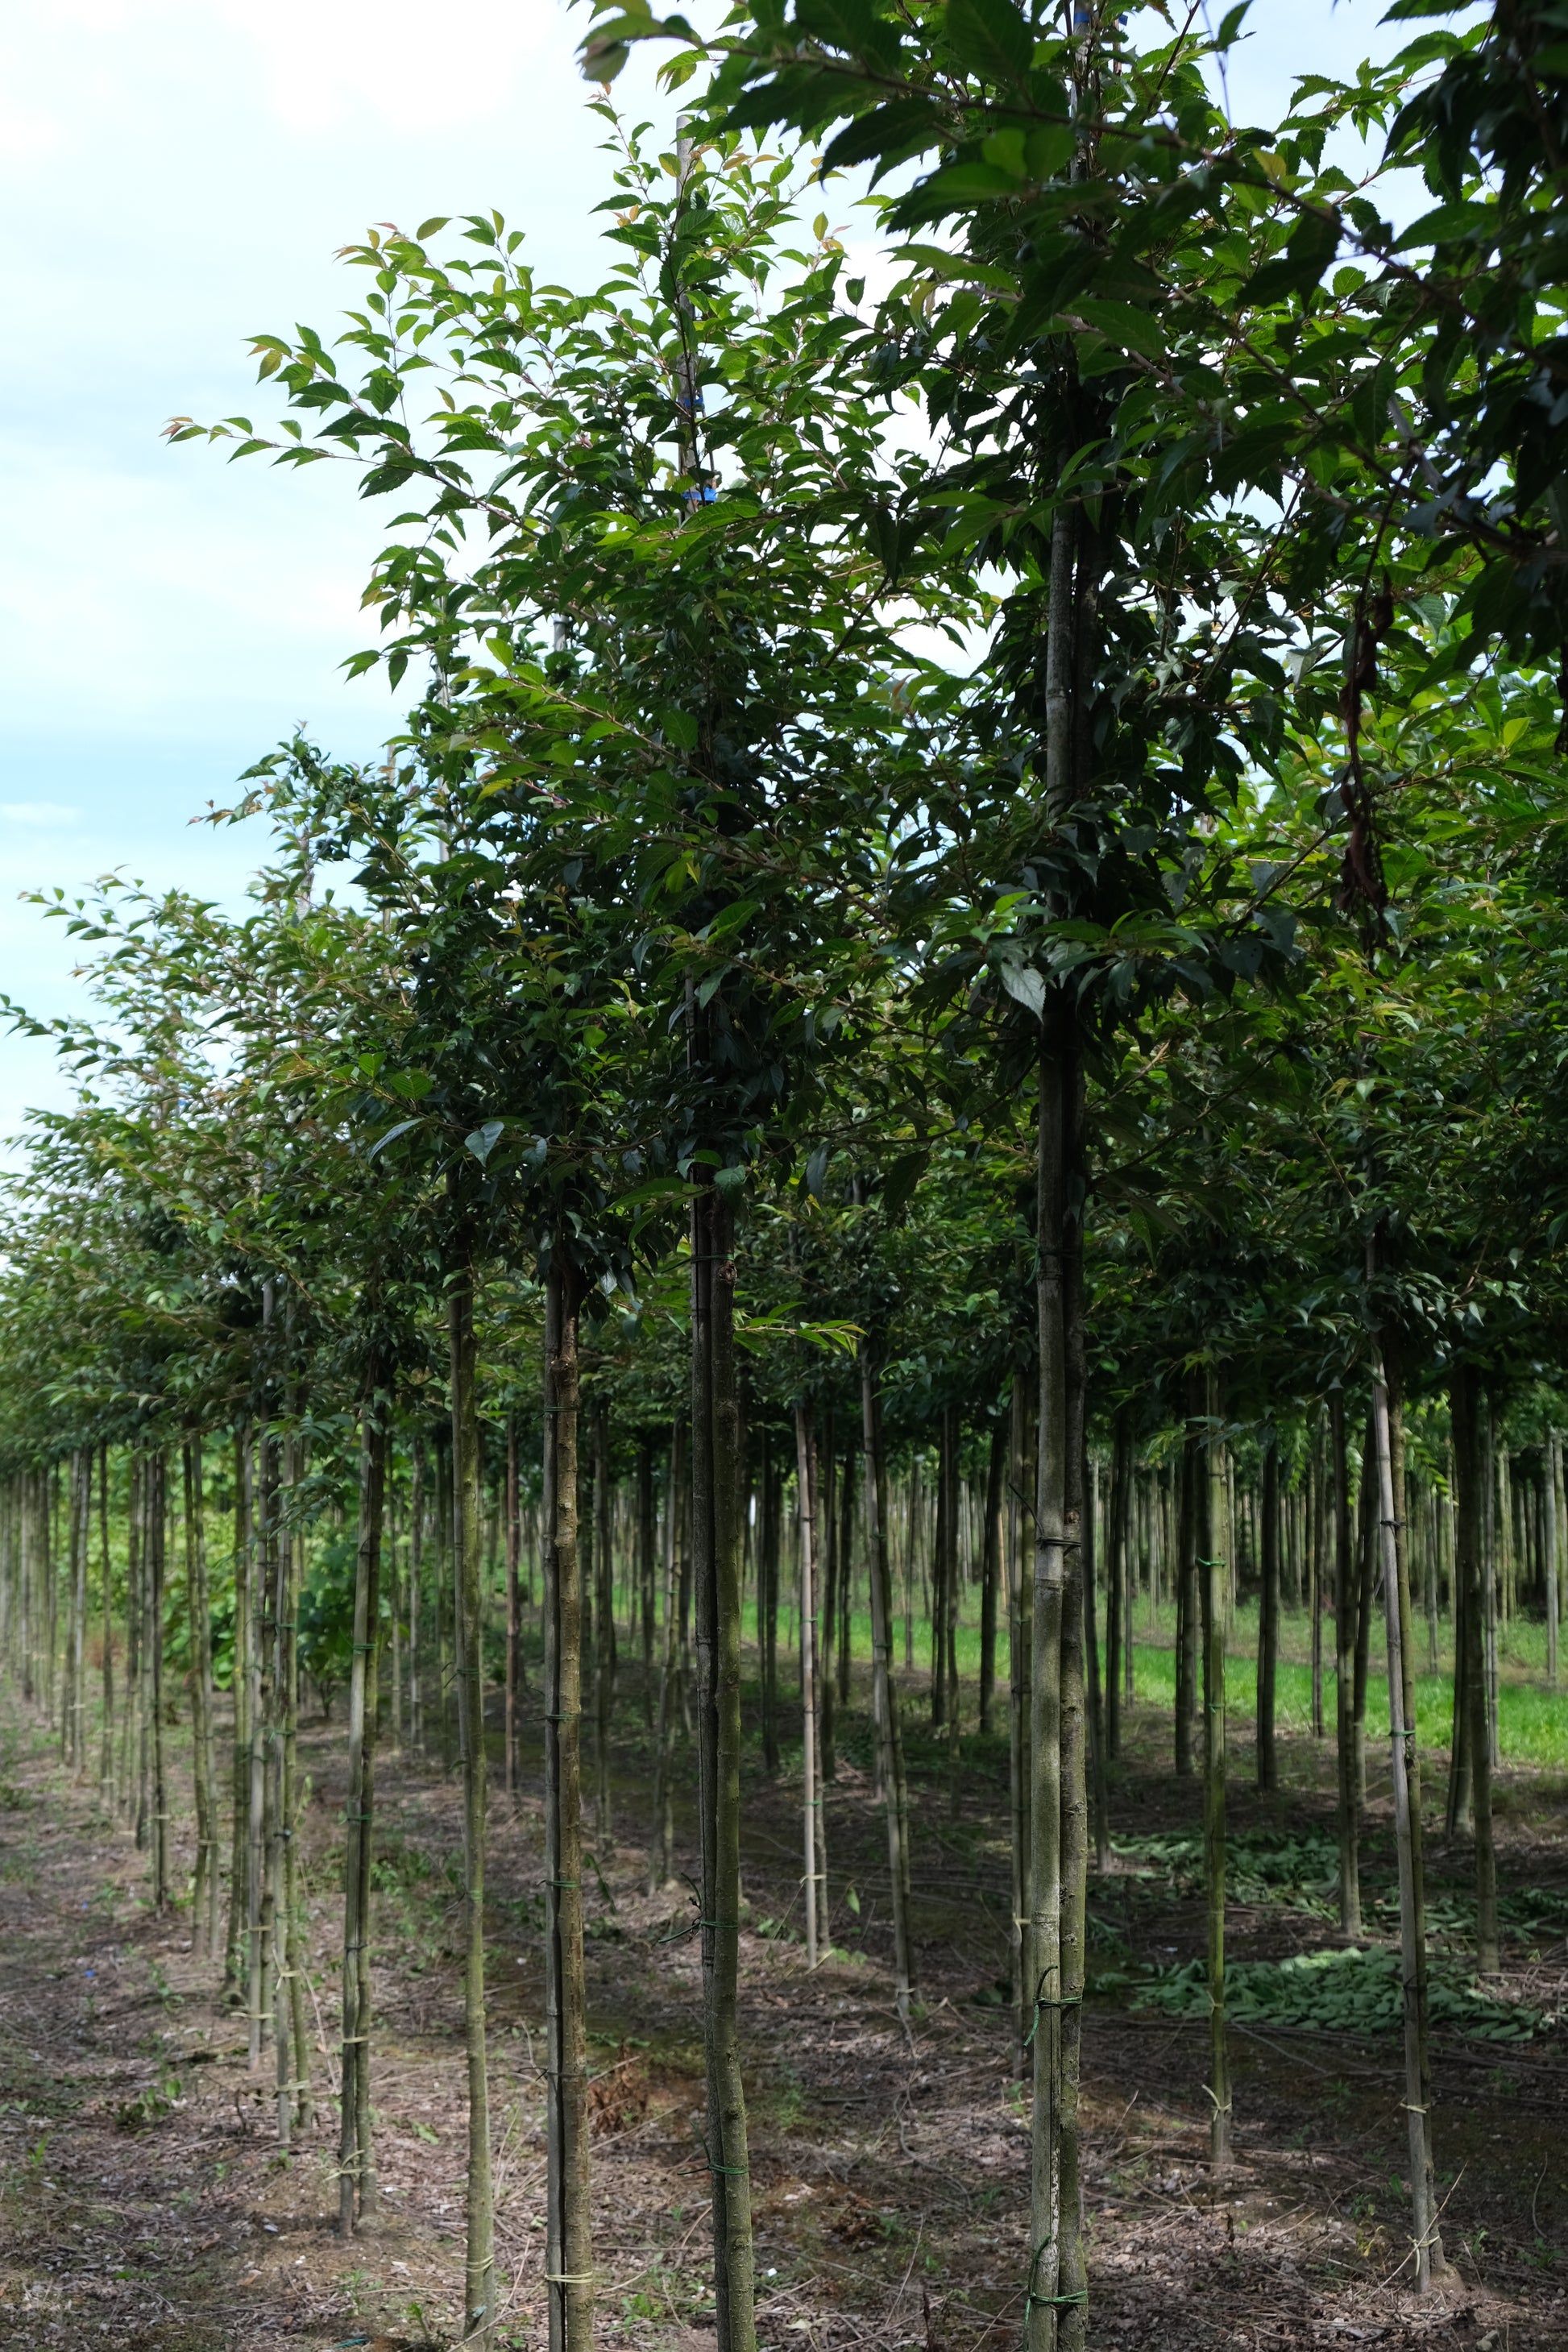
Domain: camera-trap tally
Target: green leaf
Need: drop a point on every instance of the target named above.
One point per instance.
(1122, 323)
(839, 24)
(903, 127)
(1025, 985)
(483, 1140)
(391, 1135)
(679, 727)
(899, 1189)
(1230, 30)
(992, 38)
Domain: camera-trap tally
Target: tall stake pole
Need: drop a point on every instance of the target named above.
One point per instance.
(1216, 1593)
(569, 2246)
(1429, 2245)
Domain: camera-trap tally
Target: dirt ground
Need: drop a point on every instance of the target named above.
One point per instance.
(144, 2203)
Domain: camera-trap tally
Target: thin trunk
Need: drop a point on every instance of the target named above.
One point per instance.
(1116, 1580)
(155, 1492)
(467, 1526)
(1268, 1616)
(1469, 1568)
(847, 1574)
(356, 2153)
(1092, 1521)
(661, 1848)
(1189, 1610)
(1344, 1670)
(257, 1912)
(203, 1903)
(1020, 1622)
(991, 1556)
(1216, 1588)
(1551, 1537)
(805, 1491)
(768, 1605)
(716, 1545)
(827, 1693)
(1366, 1553)
(646, 1557)
(884, 1691)
(1045, 2285)
(603, 1621)
(1387, 1422)
(513, 1610)
(235, 1967)
(569, 2245)
(106, 1730)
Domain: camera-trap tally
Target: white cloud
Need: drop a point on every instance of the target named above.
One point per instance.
(37, 816)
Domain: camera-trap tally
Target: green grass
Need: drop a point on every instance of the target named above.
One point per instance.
(1532, 1726)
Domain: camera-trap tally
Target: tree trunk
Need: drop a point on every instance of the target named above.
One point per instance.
(356, 2153)
(1389, 1450)
(1553, 1536)
(646, 1556)
(513, 1610)
(1215, 1590)
(1091, 1548)
(1318, 1556)
(768, 1605)
(1020, 1626)
(257, 1910)
(1268, 1616)
(1072, 2273)
(1470, 1570)
(716, 1542)
(155, 1495)
(1366, 1591)
(569, 2245)
(204, 1902)
(884, 1691)
(1044, 2287)
(1189, 1600)
(805, 1490)
(468, 1528)
(661, 1859)
(106, 1730)
(604, 1623)
(1116, 1626)
(995, 1471)
(827, 1619)
(1345, 1671)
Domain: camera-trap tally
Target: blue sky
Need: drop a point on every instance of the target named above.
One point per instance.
(176, 175)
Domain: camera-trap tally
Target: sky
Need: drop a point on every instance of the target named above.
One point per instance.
(175, 176)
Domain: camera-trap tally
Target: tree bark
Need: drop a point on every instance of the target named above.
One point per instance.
(467, 1527)
(1216, 1591)
(1553, 1537)
(569, 2243)
(1268, 1616)
(1020, 1625)
(513, 1610)
(204, 1902)
(155, 1497)
(884, 1691)
(805, 1490)
(1388, 1442)
(661, 1846)
(1189, 1601)
(1469, 1568)
(1345, 1671)
(1045, 2288)
(356, 2154)
(995, 1471)
(716, 1542)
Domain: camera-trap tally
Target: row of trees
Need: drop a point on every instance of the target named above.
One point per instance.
(1144, 1018)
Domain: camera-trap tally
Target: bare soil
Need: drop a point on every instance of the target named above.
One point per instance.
(144, 2202)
